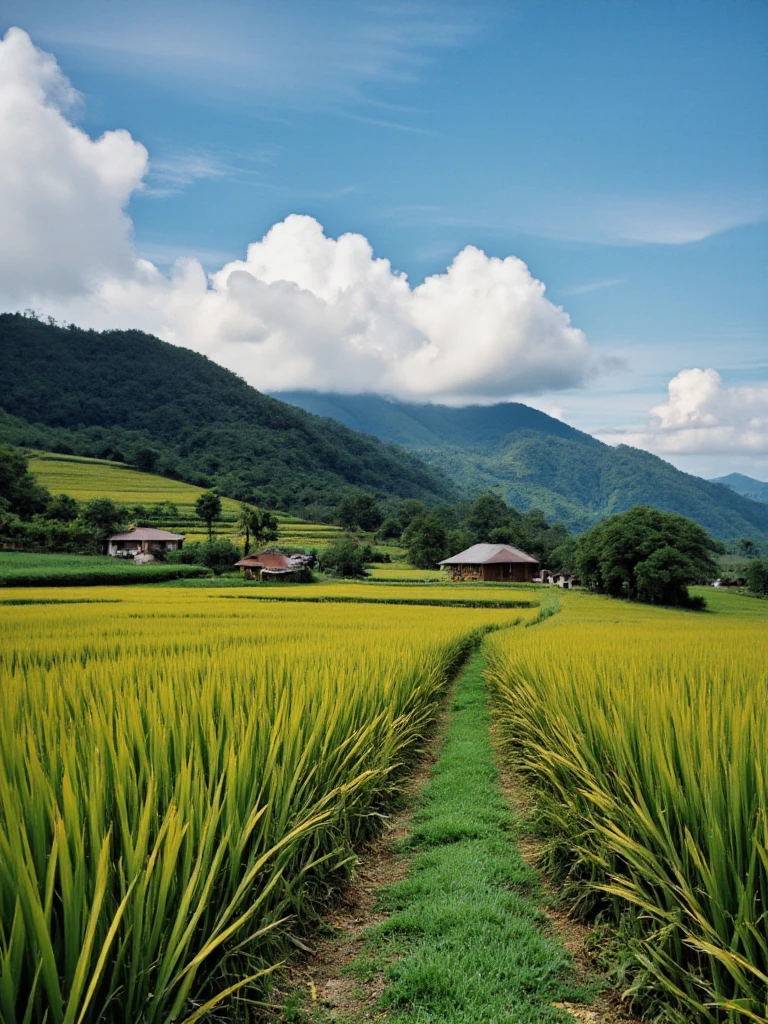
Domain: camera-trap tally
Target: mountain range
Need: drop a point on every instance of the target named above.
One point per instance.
(114, 394)
(536, 461)
(757, 490)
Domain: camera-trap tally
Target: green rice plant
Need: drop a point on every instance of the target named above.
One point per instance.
(645, 730)
(21, 569)
(183, 780)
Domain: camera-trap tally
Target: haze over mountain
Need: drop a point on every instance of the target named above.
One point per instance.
(110, 393)
(757, 490)
(536, 461)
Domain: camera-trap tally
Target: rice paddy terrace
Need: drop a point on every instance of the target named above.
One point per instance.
(84, 479)
(189, 772)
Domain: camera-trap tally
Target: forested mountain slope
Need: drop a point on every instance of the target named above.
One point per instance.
(108, 394)
(757, 490)
(536, 461)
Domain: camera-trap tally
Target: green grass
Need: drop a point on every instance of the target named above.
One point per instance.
(465, 941)
(18, 569)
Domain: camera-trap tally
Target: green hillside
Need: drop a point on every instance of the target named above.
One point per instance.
(747, 486)
(109, 394)
(535, 461)
(84, 478)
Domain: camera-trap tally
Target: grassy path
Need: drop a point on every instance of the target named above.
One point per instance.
(465, 941)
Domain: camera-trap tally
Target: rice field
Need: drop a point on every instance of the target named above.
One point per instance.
(406, 574)
(185, 774)
(85, 479)
(182, 779)
(645, 731)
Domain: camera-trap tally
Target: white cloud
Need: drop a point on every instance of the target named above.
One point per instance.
(302, 310)
(62, 194)
(702, 415)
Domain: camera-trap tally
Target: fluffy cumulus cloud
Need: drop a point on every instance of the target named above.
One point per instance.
(702, 415)
(62, 194)
(301, 311)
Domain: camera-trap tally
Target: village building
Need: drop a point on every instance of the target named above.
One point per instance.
(492, 563)
(143, 543)
(271, 564)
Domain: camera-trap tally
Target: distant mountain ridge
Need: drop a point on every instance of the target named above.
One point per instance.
(747, 486)
(107, 394)
(535, 460)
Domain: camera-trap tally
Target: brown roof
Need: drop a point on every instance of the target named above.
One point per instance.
(489, 554)
(147, 533)
(265, 560)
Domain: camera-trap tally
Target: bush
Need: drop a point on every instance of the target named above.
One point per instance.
(219, 555)
(757, 577)
(344, 557)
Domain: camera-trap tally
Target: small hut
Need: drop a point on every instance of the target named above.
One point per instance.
(492, 563)
(269, 564)
(144, 543)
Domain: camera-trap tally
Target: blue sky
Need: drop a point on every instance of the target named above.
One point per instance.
(617, 148)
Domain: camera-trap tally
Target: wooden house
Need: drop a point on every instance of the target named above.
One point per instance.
(143, 542)
(269, 564)
(492, 563)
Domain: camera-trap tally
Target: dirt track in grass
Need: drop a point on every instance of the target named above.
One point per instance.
(444, 921)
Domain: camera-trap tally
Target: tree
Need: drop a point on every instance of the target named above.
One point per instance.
(359, 512)
(748, 548)
(390, 529)
(428, 543)
(757, 577)
(20, 493)
(208, 508)
(343, 557)
(646, 555)
(146, 459)
(63, 508)
(490, 512)
(346, 514)
(103, 517)
(369, 517)
(409, 510)
(256, 525)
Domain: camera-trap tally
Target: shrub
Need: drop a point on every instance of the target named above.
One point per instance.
(344, 557)
(219, 555)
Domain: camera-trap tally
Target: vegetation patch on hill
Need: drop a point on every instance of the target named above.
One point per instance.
(536, 461)
(126, 395)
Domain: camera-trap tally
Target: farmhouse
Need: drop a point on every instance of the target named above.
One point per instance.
(144, 542)
(492, 562)
(270, 564)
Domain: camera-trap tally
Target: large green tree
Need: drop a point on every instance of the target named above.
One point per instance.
(646, 555)
(103, 517)
(20, 493)
(428, 542)
(208, 508)
(359, 512)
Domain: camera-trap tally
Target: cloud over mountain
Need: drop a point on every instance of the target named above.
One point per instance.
(303, 310)
(703, 415)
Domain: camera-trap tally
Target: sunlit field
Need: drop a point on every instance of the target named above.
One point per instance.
(182, 777)
(84, 479)
(646, 730)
